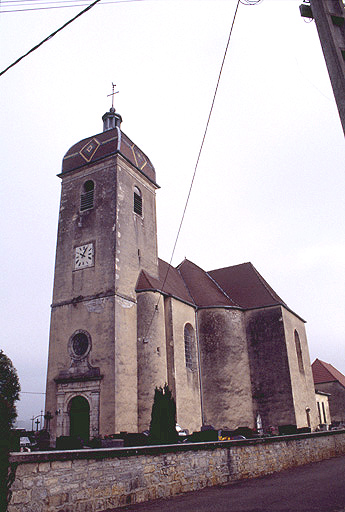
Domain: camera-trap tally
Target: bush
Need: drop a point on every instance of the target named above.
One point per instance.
(163, 417)
(9, 394)
(203, 436)
(287, 430)
(69, 443)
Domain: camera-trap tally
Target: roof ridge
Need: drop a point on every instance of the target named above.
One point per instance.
(231, 266)
(189, 261)
(188, 290)
(267, 286)
(221, 289)
(146, 276)
(213, 281)
(179, 273)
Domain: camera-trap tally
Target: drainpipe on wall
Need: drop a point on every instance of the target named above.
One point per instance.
(199, 365)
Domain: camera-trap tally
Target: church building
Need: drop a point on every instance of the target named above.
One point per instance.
(123, 321)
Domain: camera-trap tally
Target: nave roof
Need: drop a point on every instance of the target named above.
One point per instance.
(239, 286)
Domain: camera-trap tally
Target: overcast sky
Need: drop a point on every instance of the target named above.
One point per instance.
(270, 184)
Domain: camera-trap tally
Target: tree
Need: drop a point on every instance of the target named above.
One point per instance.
(9, 394)
(163, 417)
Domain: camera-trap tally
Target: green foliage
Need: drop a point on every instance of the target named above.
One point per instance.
(163, 417)
(9, 394)
(9, 388)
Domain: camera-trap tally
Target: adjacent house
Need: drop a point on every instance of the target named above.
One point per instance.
(328, 379)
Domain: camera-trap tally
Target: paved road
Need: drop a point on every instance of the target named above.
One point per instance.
(315, 487)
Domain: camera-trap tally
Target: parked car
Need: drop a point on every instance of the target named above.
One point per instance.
(182, 432)
(25, 444)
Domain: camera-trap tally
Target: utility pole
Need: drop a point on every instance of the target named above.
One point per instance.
(329, 16)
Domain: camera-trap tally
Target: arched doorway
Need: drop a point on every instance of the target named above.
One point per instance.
(79, 416)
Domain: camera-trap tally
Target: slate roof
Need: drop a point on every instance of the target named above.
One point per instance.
(238, 286)
(104, 144)
(325, 372)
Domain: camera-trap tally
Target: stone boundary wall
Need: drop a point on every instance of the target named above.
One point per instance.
(95, 480)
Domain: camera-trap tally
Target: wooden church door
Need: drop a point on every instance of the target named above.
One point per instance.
(80, 418)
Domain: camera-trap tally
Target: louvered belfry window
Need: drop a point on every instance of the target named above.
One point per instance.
(87, 196)
(138, 202)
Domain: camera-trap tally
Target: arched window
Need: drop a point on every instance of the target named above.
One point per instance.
(87, 195)
(137, 202)
(189, 347)
(299, 352)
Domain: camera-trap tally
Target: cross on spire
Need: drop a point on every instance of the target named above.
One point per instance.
(112, 94)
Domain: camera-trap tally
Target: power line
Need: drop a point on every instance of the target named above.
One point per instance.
(42, 8)
(22, 4)
(196, 166)
(250, 2)
(46, 8)
(37, 2)
(31, 393)
(49, 37)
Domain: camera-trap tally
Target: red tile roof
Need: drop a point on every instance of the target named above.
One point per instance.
(325, 372)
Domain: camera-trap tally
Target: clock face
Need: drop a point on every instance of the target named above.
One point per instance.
(83, 256)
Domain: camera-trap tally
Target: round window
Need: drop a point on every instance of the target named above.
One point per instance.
(79, 344)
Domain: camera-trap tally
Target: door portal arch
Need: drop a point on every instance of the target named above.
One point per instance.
(79, 418)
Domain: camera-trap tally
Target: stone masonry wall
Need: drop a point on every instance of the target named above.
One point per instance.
(94, 480)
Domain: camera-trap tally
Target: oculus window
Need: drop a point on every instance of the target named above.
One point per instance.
(79, 345)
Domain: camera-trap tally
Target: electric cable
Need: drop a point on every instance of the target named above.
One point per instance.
(195, 168)
(24, 3)
(60, 6)
(31, 393)
(250, 2)
(49, 37)
(37, 2)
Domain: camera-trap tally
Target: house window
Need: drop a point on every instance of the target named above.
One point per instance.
(138, 202)
(324, 413)
(87, 195)
(189, 347)
(299, 352)
(319, 411)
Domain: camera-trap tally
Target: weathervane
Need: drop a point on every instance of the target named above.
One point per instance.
(112, 94)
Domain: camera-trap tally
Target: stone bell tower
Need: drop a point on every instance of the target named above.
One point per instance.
(106, 236)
